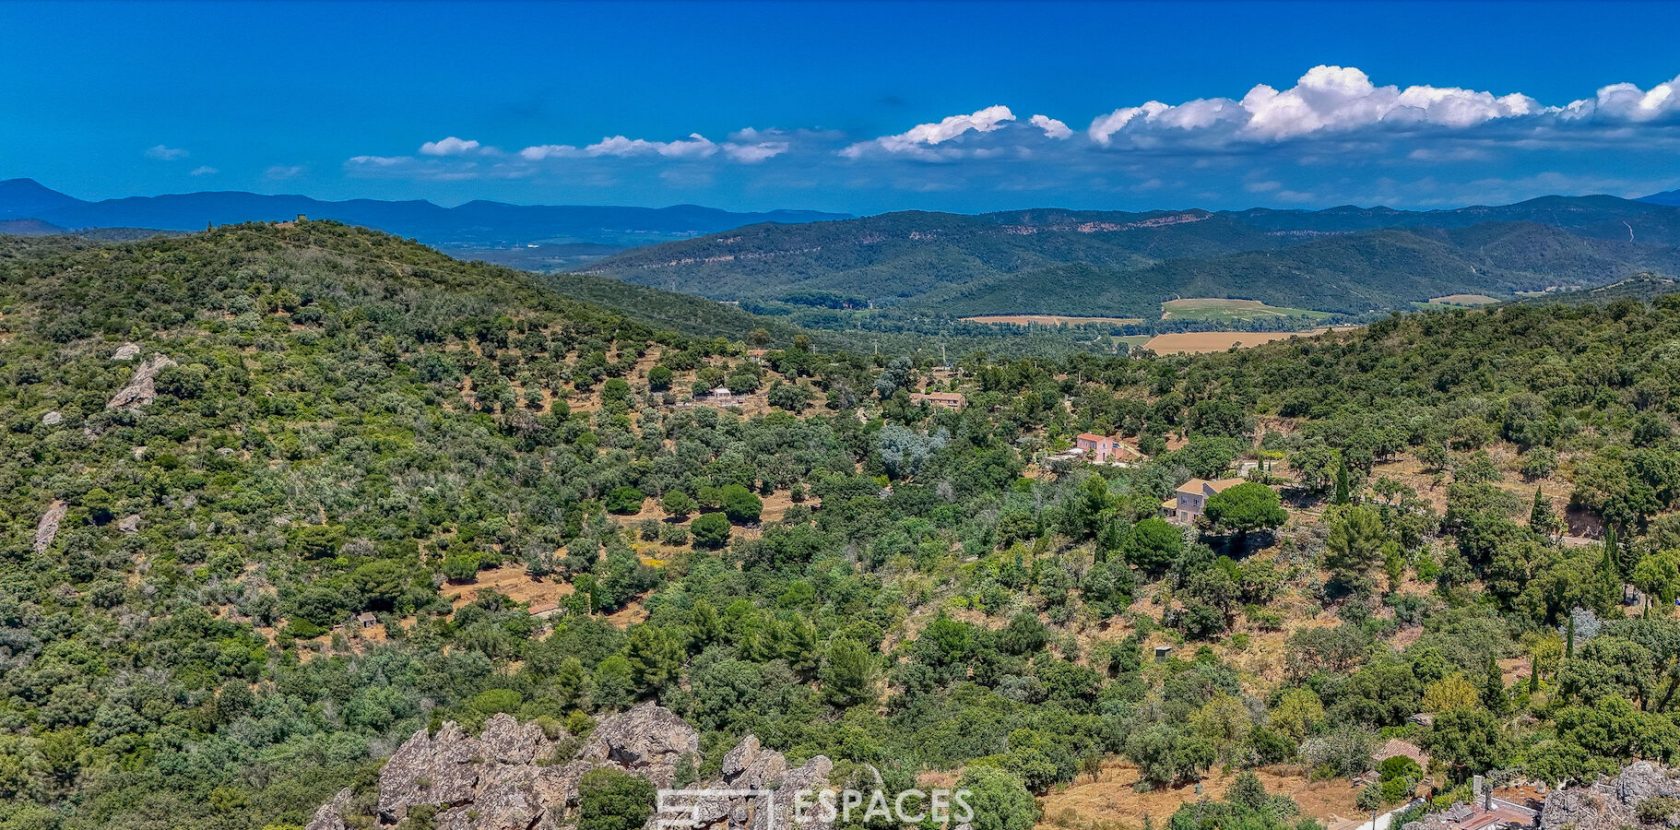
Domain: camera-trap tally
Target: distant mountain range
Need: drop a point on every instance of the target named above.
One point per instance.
(1348, 260)
(478, 224)
(1671, 197)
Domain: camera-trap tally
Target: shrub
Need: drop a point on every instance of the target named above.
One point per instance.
(460, 567)
(613, 800)
(624, 501)
(711, 530)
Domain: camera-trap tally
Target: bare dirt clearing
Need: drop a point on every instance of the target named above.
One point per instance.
(1111, 799)
(512, 581)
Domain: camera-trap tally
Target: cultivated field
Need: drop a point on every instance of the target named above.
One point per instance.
(1051, 320)
(1205, 342)
(1213, 308)
(1466, 300)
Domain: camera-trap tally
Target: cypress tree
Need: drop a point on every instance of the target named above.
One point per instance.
(1493, 688)
(1344, 490)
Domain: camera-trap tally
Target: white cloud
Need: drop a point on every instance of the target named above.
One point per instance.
(1052, 128)
(161, 152)
(755, 152)
(285, 171)
(695, 146)
(450, 146)
(1626, 102)
(204, 170)
(751, 146)
(379, 161)
(1336, 101)
(547, 151)
(748, 146)
(918, 139)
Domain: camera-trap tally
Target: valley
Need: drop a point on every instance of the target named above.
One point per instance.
(839, 415)
(519, 502)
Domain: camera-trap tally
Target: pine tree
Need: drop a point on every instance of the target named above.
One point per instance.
(1569, 639)
(848, 674)
(1533, 673)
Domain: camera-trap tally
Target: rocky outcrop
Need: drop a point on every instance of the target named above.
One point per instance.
(648, 740)
(331, 815)
(439, 770)
(46, 530)
(53, 418)
(509, 777)
(126, 352)
(142, 388)
(1610, 804)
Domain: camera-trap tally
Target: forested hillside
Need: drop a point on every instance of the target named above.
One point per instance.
(1346, 260)
(275, 497)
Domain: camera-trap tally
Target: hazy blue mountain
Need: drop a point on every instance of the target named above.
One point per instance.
(29, 199)
(474, 223)
(1671, 197)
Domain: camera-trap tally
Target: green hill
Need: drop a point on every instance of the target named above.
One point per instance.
(274, 499)
(1351, 274)
(1350, 260)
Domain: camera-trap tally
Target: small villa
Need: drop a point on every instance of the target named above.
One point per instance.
(1105, 449)
(1190, 499)
(944, 400)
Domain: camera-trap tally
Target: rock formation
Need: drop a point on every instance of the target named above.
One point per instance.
(47, 529)
(1612, 803)
(142, 388)
(511, 776)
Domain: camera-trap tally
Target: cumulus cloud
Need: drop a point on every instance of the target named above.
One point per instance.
(450, 146)
(204, 170)
(1052, 128)
(161, 152)
(695, 146)
(919, 139)
(618, 146)
(1627, 102)
(285, 171)
(1338, 101)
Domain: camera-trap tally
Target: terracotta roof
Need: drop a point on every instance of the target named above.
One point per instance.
(1196, 485)
(1091, 436)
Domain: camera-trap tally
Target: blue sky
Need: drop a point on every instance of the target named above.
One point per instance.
(858, 107)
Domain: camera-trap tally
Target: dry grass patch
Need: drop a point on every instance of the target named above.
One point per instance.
(1207, 342)
(1112, 799)
(512, 581)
